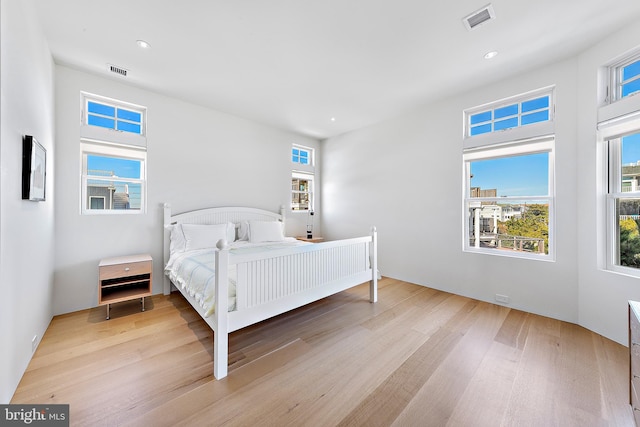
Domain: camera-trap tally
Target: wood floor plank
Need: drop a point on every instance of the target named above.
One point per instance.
(383, 406)
(488, 391)
(417, 357)
(514, 330)
(435, 402)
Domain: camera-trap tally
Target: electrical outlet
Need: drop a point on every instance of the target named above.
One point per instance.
(503, 299)
(34, 343)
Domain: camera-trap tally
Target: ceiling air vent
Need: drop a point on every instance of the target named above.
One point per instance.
(118, 70)
(479, 17)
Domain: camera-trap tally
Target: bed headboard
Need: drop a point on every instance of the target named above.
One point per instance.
(219, 215)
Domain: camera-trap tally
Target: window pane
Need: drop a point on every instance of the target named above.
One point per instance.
(630, 163)
(540, 116)
(101, 121)
(128, 127)
(104, 110)
(477, 130)
(535, 104)
(304, 157)
(113, 166)
(132, 116)
(631, 70)
(96, 202)
(506, 124)
(526, 175)
(628, 221)
(481, 117)
(631, 87)
(521, 226)
(510, 110)
(116, 194)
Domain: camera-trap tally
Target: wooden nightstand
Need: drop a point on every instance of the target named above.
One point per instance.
(124, 278)
(316, 239)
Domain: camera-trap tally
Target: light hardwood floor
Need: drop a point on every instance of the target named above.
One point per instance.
(418, 357)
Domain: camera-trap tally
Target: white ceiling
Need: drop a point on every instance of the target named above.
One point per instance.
(295, 64)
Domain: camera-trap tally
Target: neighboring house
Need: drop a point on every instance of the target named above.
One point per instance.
(103, 195)
(630, 177)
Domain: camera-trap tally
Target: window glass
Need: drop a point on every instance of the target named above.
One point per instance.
(519, 175)
(526, 111)
(509, 200)
(625, 195)
(631, 78)
(107, 186)
(114, 117)
(301, 192)
(301, 156)
(625, 78)
(511, 110)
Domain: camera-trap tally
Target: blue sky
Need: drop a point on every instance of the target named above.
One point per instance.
(122, 168)
(631, 149)
(513, 176)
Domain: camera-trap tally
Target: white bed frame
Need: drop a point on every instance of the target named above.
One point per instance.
(273, 283)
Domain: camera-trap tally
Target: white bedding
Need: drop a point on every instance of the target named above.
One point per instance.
(194, 270)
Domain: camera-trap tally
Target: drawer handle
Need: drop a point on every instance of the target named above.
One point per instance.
(127, 269)
(636, 376)
(635, 343)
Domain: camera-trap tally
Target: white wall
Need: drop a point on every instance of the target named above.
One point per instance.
(197, 158)
(603, 294)
(405, 176)
(26, 228)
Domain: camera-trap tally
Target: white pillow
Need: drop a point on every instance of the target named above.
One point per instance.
(243, 230)
(199, 236)
(176, 238)
(265, 231)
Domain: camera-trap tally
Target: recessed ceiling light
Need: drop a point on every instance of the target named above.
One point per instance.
(333, 119)
(490, 55)
(143, 44)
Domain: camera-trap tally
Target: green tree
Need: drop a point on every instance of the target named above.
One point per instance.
(629, 243)
(534, 222)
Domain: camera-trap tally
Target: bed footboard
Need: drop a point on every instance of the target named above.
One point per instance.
(282, 280)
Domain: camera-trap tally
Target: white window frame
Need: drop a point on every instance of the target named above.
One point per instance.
(538, 145)
(300, 171)
(528, 139)
(90, 132)
(309, 151)
(112, 143)
(614, 90)
(610, 133)
(310, 178)
(617, 117)
(111, 150)
(509, 135)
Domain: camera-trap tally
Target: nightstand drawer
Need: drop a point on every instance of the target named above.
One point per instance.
(635, 358)
(125, 269)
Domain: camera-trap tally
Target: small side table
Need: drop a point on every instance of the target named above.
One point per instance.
(124, 278)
